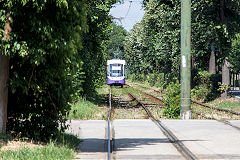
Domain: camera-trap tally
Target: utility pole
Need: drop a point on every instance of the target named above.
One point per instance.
(185, 111)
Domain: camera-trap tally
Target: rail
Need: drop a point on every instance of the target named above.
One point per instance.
(211, 107)
(109, 125)
(155, 99)
(216, 108)
(178, 144)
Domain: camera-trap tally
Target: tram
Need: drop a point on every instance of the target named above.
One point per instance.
(116, 72)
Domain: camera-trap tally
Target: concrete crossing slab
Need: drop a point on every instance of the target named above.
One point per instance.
(207, 139)
(92, 134)
(235, 123)
(141, 139)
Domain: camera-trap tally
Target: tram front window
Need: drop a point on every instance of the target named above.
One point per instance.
(116, 70)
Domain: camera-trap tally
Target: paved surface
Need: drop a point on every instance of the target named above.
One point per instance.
(207, 139)
(235, 123)
(142, 139)
(92, 132)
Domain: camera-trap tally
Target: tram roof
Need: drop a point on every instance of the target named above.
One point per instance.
(112, 61)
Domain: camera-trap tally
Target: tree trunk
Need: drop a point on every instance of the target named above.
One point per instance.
(4, 65)
(225, 77)
(193, 62)
(222, 14)
(212, 60)
(225, 69)
(4, 74)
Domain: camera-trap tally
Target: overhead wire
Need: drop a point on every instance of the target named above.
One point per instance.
(122, 19)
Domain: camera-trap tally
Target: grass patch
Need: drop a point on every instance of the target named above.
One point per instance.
(91, 108)
(83, 109)
(50, 152)
(63, 147)
(227, 104)
(68, 140)
(118, 91)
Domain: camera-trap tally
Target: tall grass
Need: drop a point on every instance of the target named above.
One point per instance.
(49, 152)
(91, 107)
(83, 109)
(62, 147)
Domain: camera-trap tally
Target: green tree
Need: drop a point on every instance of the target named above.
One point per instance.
(57, 49)
(214, 24)
(94, 53)
(116, 43)
(43, 51)
(234, 56)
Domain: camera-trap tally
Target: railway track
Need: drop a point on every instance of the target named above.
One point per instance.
(141, 138)
(152, 97)
(221, 110)
(202, 105)
(213, 108)
(109, 127)
(172, 138)
(217, 109)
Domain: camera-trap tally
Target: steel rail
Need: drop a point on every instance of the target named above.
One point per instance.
(154, 98)
(109, 125)
(201, 104)
(222, 121)
(173, 139)
(216, 108)
(211, 107)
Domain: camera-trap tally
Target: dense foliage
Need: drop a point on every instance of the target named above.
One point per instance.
(94, 54)
(153, 45)
(205, 86)
(57, 52)
(116, 44)
(234, 56)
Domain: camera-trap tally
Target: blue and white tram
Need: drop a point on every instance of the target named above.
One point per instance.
(116, 72)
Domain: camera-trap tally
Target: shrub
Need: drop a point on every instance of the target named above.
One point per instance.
(156, 79)
(205, 86)
(172, 99)
(151, 79)
(137, 77)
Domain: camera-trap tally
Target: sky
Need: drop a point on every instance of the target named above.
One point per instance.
(130, 12)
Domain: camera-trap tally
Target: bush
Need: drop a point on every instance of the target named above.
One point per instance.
(153, 79)
(137, 77)
(156, 79)
(172, 99)
(205, 86)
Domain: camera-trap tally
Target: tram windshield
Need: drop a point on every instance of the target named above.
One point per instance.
(116, 70)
